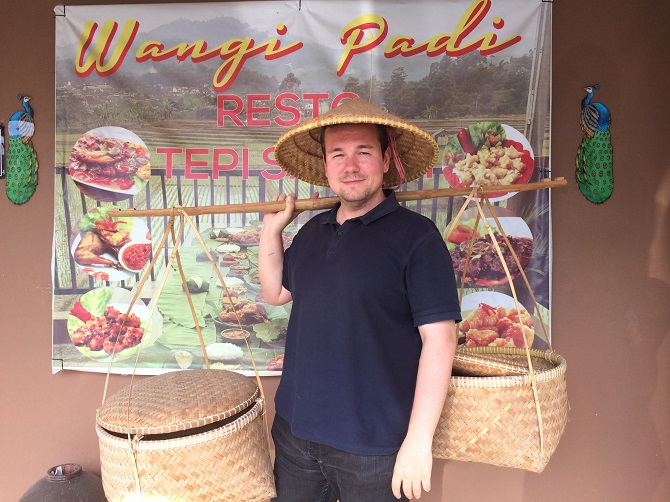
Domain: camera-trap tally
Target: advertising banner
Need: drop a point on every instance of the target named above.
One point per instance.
(170, 105)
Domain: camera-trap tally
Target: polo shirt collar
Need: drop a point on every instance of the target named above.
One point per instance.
(387, 206)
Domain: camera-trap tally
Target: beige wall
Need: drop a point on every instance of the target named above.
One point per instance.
(611, 290)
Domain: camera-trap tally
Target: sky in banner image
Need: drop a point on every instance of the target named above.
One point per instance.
(157, 107)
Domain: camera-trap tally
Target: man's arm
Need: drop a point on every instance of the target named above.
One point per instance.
(415, 459)
(271, 253)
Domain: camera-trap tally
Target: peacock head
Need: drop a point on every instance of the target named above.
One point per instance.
(24, 100)
(591, 88)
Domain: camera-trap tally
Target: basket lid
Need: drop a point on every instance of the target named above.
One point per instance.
(177, 401)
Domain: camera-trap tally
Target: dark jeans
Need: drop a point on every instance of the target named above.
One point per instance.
(312, 472)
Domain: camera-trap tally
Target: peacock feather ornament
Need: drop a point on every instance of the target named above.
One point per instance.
(21, 161)
(594, 163)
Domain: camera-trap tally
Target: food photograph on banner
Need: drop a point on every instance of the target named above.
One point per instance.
(159, 107)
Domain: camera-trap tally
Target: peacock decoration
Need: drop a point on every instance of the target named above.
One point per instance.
(594, 163)
(21, 161)
(2, 150)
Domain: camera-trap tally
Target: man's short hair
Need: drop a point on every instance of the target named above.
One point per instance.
(382, 136)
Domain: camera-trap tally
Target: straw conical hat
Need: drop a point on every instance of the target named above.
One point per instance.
(298, 150)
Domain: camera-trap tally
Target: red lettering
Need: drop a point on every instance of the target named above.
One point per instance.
(192, 163)
(245, 163)
(218, 167)
(438, 46)
(316, 97)
(151, 48)
(252, 109)
(279, 103)
(228, 71)
(169, 153)
(268, 174)
(402, 45)
(221, 112)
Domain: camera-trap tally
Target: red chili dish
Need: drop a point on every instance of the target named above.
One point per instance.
(136, 255)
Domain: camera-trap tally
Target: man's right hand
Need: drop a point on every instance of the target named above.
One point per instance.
(276, 222)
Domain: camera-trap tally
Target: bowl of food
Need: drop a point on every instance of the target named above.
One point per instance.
(134, 255)
(235, 336)
(184, 358)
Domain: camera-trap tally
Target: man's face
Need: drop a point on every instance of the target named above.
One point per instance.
(354, 162)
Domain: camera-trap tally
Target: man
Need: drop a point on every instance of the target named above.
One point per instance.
(371, 336)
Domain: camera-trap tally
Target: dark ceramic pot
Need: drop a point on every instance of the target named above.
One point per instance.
(66, 483)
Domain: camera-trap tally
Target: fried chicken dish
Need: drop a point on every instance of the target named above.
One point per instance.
(113, 332)
(247, 311)
(488, 326)
(106, 237)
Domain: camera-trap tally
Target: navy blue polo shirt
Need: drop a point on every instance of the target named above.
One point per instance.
(360, 290)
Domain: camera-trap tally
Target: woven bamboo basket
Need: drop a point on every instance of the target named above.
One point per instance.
(493, 416)
(194, 435)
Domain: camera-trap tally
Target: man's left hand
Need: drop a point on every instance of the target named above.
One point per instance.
(413, 467)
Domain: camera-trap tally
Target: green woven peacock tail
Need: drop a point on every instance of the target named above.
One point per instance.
(594, 167)
(595, 160)
(21, 170)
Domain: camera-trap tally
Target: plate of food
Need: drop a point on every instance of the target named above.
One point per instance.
(247, 311)
(488, 154)
(110, 160)
(491, 319)
(245, 237)
(99, 247)
(484, 267)
(99, 324)
(251, 314)
(235, 236)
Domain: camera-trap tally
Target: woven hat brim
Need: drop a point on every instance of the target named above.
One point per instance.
(298, 150)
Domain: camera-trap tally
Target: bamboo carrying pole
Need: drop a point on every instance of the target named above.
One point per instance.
(328, 202)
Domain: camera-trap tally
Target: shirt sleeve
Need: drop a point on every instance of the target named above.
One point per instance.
(431, 282)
